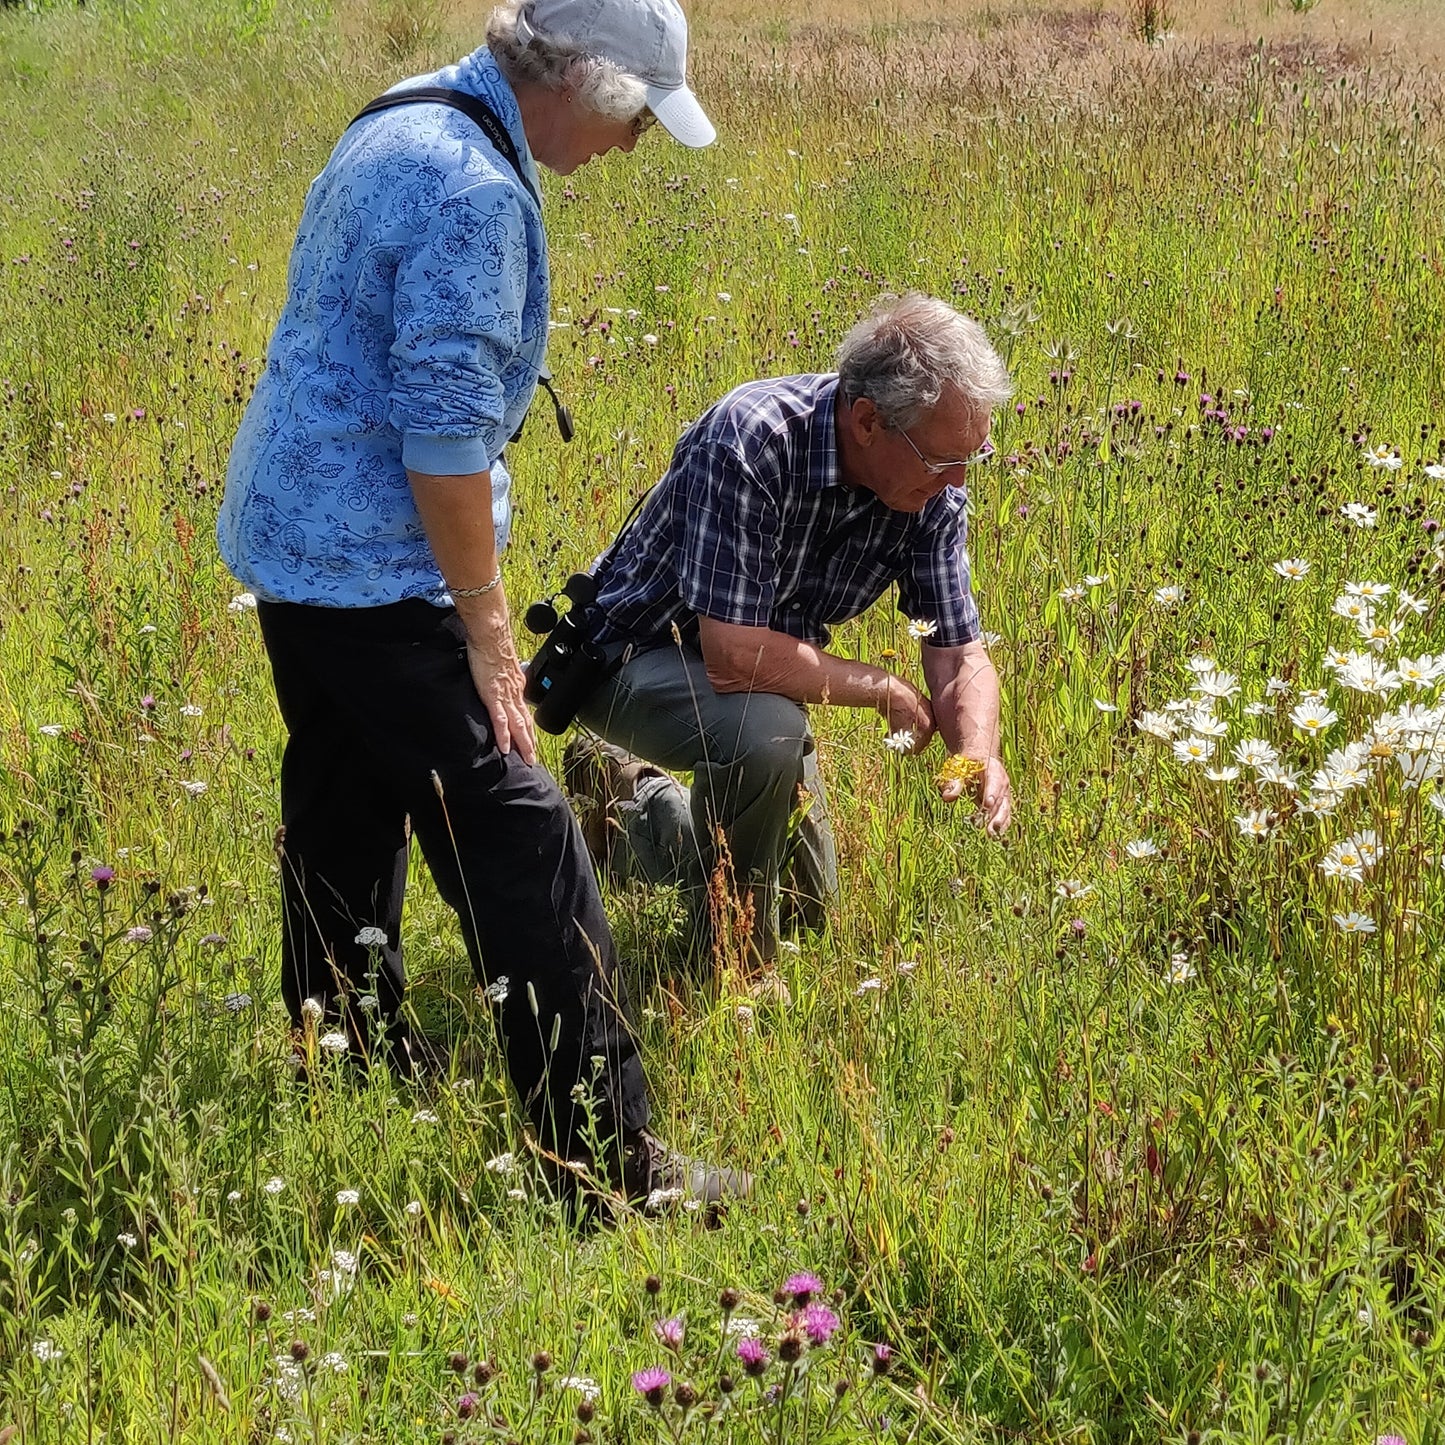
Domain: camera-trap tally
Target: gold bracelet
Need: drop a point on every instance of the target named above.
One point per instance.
(477, 591)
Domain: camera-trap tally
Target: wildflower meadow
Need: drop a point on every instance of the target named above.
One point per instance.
(1126, 1127)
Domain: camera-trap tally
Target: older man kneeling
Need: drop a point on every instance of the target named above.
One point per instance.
(791, 505)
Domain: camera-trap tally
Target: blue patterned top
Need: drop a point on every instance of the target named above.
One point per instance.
(753, 524)
(414, 329)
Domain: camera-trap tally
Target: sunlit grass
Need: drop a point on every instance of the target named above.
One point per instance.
(1111, 1131)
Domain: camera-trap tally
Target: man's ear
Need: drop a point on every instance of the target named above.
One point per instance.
(864, 421)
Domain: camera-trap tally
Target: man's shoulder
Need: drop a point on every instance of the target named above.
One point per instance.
(758, 417)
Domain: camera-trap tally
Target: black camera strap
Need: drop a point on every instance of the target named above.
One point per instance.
(473, 107)
(489, 123)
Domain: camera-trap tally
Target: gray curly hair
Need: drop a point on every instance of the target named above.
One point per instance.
(908, 348)
(558, 60)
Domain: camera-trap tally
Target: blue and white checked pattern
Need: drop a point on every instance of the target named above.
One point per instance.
(752, 524)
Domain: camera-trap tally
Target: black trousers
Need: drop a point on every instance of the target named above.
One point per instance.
(386, 725)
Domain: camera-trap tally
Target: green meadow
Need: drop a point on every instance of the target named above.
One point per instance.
(1126, 1128)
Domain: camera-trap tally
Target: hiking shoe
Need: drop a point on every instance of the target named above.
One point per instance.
(597, 776)
(657, 1178)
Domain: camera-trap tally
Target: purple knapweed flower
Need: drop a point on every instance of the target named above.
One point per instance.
(651, 1384)
(802, 1287)
(819, 1323)
(148, 702)
(670, 1332)
(1390, 1440)
(882, 1359)
(752, 1355)
(102, 877)
(466, 1406)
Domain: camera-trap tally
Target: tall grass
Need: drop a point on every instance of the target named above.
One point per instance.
(1104, 1144)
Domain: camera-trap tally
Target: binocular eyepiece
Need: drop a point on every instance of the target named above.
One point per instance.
(568, 666)
(580, 590)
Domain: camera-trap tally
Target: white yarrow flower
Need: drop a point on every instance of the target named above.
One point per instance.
(242, 602)
(585, 1386)
(348, 1197)
(371, 937)
(335, 1042)
(274, 1185)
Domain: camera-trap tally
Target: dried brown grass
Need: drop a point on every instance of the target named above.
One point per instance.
(940, 62)
(1053, 66)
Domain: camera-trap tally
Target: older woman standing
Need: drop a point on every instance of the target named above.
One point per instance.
(367, 507)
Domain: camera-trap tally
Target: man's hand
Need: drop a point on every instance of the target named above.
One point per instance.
(492, 658)
(905, 709)
(987, 782)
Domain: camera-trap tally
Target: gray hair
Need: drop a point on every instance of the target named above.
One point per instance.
(908, 348)
(558, 60)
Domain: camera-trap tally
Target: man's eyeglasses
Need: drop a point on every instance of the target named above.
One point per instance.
(938, 469)
(644, 120)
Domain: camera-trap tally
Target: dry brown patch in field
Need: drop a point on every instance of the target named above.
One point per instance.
(1063, 63)
(1414, 27)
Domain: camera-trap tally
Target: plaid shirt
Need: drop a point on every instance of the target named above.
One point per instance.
(753, 524)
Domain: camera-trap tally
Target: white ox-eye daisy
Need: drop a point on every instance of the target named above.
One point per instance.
(1194, 749)
(1292, 569)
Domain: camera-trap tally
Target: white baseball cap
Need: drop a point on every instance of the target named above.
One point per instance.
(646, 38)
